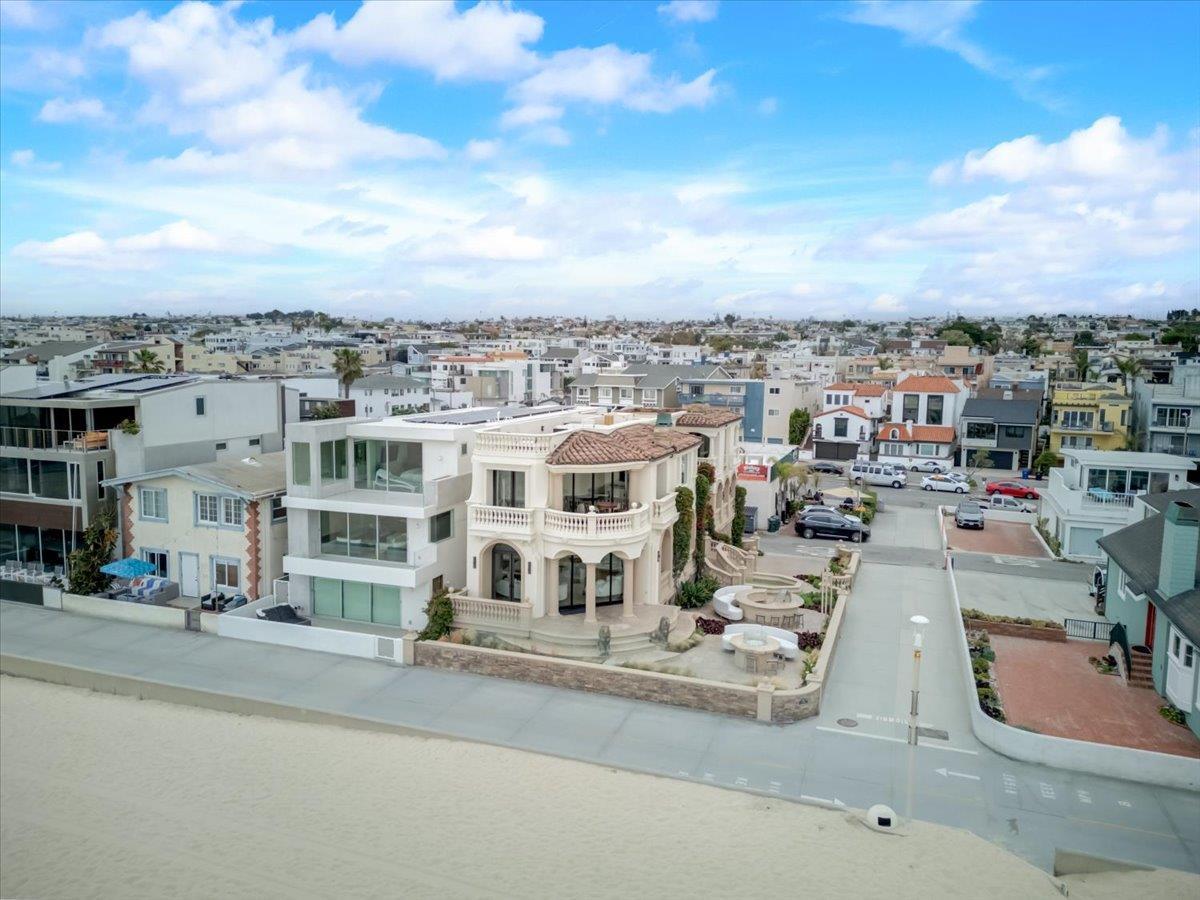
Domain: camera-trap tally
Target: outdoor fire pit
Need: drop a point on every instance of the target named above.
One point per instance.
(782, 609)
(756, 653)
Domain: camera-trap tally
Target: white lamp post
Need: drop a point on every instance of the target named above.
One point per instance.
(919, 622)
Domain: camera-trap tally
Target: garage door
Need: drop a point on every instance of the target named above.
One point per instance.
(1000, 459)
(1082, 541)
(841, 450)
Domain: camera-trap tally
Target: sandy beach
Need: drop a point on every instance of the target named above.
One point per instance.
(107, 796)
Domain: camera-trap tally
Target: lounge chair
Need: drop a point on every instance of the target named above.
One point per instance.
(283, 613)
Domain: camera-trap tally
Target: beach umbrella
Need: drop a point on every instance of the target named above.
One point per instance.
(131, 567)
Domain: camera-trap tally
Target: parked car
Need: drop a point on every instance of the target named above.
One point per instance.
(942, 483)
(1012, 504)
(958, 476)
(1011, 489)
(826, 468)
(879, 473)
(932, 466)
(821, 522)
(969, 514)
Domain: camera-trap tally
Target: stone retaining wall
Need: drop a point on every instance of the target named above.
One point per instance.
(1011, 629)
(635, 684)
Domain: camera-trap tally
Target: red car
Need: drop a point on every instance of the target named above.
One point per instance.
(1011, 489)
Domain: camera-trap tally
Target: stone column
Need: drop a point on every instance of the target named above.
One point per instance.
(629, 585)
(550, 591)
(589, 595)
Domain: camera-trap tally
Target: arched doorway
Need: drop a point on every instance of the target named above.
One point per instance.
(506, 573)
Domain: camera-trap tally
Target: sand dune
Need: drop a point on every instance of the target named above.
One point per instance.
(106, 796)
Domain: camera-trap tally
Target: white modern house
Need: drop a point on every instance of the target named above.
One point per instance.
(870, 398)
(1093, 494)
(842, 432)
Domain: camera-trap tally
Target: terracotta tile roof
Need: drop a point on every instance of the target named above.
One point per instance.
(929, 434)
(926, 384)
(841, 386)
(702, 416)
(853, 410)
(633, 443)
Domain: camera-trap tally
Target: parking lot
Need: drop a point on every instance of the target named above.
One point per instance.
(997, 538)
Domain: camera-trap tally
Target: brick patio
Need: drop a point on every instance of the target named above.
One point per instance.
(1053, 689)
(999, 538)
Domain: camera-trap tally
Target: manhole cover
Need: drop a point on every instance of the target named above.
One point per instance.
(848, 723)
(933, 733)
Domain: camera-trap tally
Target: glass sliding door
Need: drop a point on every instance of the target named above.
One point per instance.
(610, 580)
(572, 585)
(506, 573)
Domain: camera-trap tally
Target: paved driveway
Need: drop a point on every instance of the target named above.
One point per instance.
(997, 539)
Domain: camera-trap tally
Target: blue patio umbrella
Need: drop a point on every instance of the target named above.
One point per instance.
(131, 567)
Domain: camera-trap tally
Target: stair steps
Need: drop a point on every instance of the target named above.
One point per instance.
(1139, 670)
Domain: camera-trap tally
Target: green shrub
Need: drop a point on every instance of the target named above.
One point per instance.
(694, 594)
(687, 643)
(85, 561)
(1172, 714)
(979, 616)
(703, 520)
(681, 532)
(129, 426)
(738, 528)
(440, 613)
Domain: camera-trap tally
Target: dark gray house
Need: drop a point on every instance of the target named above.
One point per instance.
(1004, 429)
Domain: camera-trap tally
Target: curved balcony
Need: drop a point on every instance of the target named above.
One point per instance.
(664, 511)
(512, 443)
(616, 526)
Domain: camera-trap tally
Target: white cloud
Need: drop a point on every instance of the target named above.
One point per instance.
(530, 114)
(768, 106)
(940, 23)
(1102, 152)
(481, 150)
(487, 41)
(25, 13)
(27, 159)
(689, 10)
(87, 249)
(700, 191)
(607, 76)
(59, 110)
(213, 76)
(888, 303)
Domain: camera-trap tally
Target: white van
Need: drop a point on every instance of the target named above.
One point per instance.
(865, 471)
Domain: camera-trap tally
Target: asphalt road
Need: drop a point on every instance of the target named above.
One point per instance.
(853, 754)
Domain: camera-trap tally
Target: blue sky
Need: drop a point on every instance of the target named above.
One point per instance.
(658, 159)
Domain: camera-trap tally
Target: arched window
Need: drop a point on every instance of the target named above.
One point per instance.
(895, 433)
(572, 584)
(506, 573)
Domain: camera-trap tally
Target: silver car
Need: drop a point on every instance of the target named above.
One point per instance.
(969, 514)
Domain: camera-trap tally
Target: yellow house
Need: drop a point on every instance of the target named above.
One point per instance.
(1089, 416)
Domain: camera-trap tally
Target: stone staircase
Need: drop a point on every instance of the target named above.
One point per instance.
(1139, 668)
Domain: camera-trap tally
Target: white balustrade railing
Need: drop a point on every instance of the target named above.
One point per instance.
(504, 517)
(595, 524)
(514, 443)
(478, 611)
(664, 508)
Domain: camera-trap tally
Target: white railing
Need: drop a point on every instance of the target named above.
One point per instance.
(595, 524)
(514, 443)
(502, 517)
(477, 611)
(664, 509)
(1108, 499)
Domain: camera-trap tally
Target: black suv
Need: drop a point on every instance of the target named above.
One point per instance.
(818, 521)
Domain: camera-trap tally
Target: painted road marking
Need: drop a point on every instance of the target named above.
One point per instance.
(741, 782)
(683, 774)
(1010, 784)
(834, 802)
(1084, 796)
(950, 773)
(708, 776)
(775, 787)
(894, 740)
(1047, 791)
(1014, 561)
(1125, 803)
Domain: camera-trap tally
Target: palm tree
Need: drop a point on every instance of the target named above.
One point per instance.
(1083, 364)
(1129, 367)
(348, 366)
(146, 360)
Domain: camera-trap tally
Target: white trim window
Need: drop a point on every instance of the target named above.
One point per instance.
(226, 575)
(208, 510)
(157, 558)
(152, 504)
(231, 512)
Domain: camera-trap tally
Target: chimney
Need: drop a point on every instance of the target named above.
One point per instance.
(1181, 535)
(663, 421)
